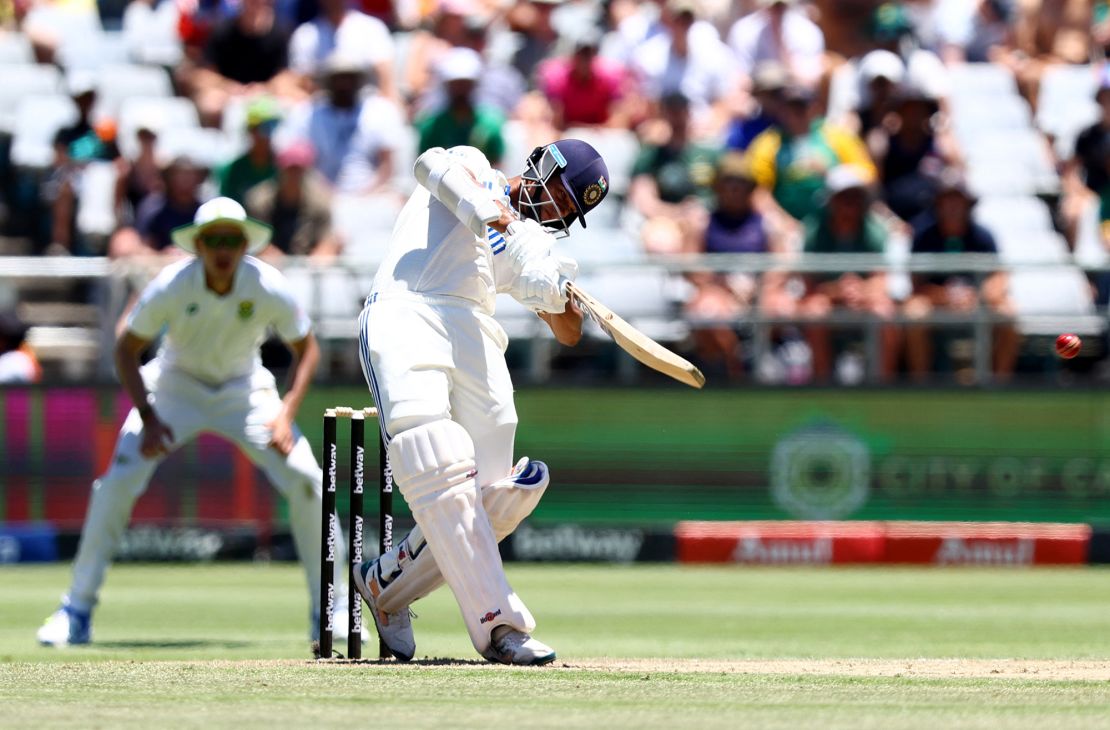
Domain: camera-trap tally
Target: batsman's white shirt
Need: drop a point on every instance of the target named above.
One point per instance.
(432, 253)
(216, 338)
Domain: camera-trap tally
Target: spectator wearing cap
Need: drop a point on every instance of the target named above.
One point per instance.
(985, 32)
(354, 134)
(18, 364)
(910, 149)
(790, 161)
(246, 55)
(296, 205)
(159, 213)
(949, 228)
(880, 73)
(684, 59)
(452, 25)
(75, 146)
(733, 228)
(779, 31)
(860, 88)
(499, 86)
(1086, 175)
(672, 181)
(530, 20)
(339, 27)
(257, 163)
(768, 81)
(584, 89)
(847, 224)
(461, 121)
(144, 173)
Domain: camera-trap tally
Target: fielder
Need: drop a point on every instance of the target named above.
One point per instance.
(215, 308)
(433, 356)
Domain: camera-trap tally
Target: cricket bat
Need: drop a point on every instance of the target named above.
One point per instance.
(635, 342)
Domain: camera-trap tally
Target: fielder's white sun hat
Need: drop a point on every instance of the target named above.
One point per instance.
(222, 210)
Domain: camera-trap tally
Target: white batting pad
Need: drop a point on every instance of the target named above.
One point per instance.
(510, 500)
(434, 467)
(407, 573)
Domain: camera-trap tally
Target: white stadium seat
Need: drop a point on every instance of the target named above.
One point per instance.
(1017, 213)
(93, 52)
(96, 199)
(37, 120)
(207, 147)
(1031, 246)
(15, 48)
(161, 113)
(117, 82)
(1066, 103)
(22, 81)
(980, 80)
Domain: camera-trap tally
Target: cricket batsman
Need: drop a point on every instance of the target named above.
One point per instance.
(433, 356)
(215, 309)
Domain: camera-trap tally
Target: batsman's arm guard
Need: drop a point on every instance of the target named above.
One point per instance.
(447, 177)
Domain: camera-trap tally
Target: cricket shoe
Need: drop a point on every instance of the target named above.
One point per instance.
(394, 629)
(65, 627)
(509, 646)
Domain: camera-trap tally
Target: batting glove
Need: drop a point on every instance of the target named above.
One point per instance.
(526, 242)
(541, 285)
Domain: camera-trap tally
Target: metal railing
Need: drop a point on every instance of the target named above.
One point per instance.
(115, 281)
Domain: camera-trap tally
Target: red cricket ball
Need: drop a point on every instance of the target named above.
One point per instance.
(1068, 345)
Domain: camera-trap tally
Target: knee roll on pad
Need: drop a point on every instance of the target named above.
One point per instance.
(431, 459)
(509, 500)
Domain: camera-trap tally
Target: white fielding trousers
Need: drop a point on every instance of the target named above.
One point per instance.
(239, 411)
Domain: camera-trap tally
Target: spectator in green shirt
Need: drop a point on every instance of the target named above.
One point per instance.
(257, 164)
(462, 121)
(847, 224)
(672, 183)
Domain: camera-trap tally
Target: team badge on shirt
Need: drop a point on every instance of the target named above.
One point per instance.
(192, 308)
(246, 309)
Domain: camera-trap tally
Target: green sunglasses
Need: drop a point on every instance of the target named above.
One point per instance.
(222, 240)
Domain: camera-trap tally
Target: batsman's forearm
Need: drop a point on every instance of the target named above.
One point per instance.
(449, 182)
(307, 357)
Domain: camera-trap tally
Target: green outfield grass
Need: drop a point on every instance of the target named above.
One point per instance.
(638, 647)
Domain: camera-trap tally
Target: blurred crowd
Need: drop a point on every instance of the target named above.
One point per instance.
(733, 127)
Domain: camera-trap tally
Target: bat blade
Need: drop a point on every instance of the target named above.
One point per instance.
(635, 342)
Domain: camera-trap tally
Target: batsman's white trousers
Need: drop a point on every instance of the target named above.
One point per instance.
(433, 358)
(238, 410)
(427, 358)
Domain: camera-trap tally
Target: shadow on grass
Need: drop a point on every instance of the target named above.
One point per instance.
(425, 662)
(170, 644)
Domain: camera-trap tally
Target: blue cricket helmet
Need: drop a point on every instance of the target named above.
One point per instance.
(580, 170)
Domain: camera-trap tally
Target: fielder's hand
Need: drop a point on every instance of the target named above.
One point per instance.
(281, 434)
(157, 438)
(527, 242)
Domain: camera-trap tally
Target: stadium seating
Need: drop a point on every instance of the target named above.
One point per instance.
(980, 80)
(22, 81)
(117, 82)
(1066, 104)
(37, 120)
(15, 48)
(156, 112)
(93, 52)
